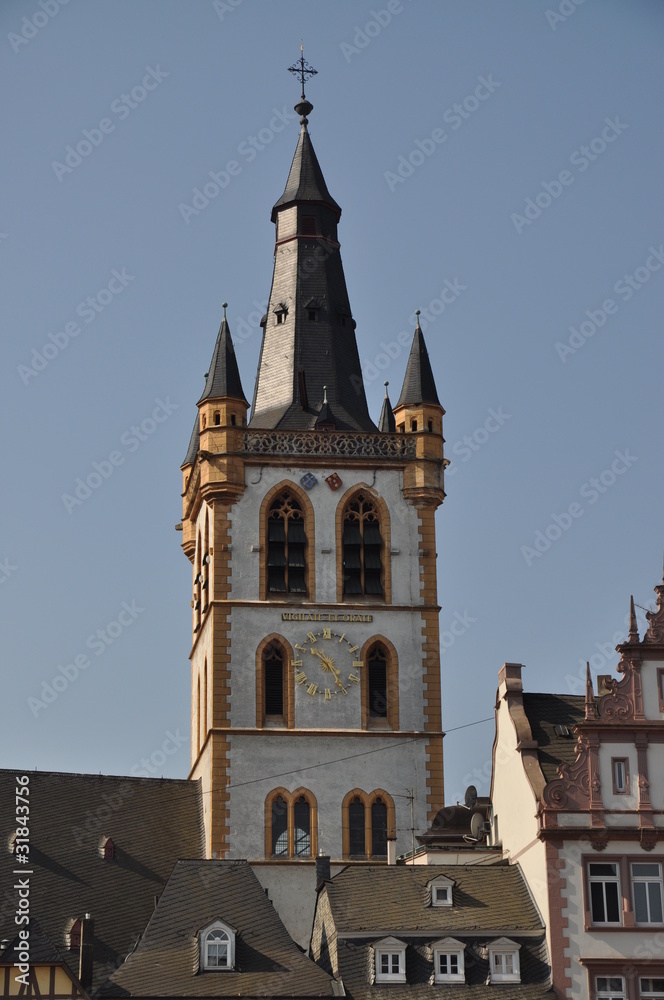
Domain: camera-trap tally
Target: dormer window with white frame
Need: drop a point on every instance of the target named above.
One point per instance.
(440, 891)
(390, 960)
(504, 961)
(217, 947)
(448, 963)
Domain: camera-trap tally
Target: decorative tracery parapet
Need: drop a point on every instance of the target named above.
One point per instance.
(333, 443)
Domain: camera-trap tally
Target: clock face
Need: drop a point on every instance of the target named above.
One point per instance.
(328, 666)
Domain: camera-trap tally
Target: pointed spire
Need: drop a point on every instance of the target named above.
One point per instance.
(633, 627)
(418, 384)
(387, 423)
(223, 378)
(325, 419)
(305, 179)
(590, 706)
(192, 450)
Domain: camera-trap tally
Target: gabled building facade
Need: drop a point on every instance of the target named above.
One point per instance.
(578, 802)
(406, 932)
(316, 701)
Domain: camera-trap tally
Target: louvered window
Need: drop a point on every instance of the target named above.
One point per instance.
(362, 548)
(377, 672)
(273, 677)
(356, 828)
(286, 547)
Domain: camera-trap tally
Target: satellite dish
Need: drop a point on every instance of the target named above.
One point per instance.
(476, 826)
(470, 797)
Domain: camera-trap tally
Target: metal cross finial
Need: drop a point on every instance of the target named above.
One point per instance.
(302, 69)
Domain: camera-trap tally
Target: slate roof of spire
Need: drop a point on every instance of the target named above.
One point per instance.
(192, 449)
(387, 423)
(223, 378)
(418, 384)
(305, 180)
(308, 333)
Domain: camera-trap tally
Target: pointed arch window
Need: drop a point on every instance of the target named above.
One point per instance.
(290, 819)
(273, 681)
(366, 822)
(286, 546)
(380, 684)
(362, 548)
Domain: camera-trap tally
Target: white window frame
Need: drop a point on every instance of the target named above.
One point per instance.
(391, 948)
(649, 994)
(504, 948)
(230, 932)
(647, 880)
(609, 993)
(445, 886)
(620, 769)
(604, 880)
(449, 946)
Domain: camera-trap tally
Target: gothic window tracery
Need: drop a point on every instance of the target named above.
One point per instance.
(286, 546)
(362, 548)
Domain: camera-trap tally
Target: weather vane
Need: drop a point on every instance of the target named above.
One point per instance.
(302, 69)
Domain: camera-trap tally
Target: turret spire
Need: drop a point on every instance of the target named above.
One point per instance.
(308, 330)
(418, 384)
(223, 378)
(633, 627)
(387, 423)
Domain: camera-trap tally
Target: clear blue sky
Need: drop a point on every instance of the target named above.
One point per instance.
(561, 109)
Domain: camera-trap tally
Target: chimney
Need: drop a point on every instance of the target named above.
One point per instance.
(87, 952)
(391, 850)
(323, 872)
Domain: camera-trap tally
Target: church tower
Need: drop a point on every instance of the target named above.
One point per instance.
(316, 702)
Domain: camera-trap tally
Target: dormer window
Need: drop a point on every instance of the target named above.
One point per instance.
(313, 308)
(504, 961)
(281, 312)
(440, 890)
(448, 961)
(217, 947)
(107, 849)
(390, 961)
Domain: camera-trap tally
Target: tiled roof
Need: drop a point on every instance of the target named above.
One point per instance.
(42, 951)
(544, 711)
(267, 961)
(393, 900)
(367, 904)
(152, 823)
